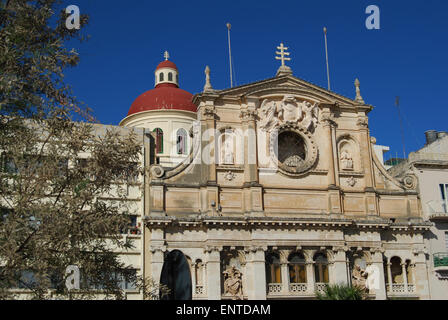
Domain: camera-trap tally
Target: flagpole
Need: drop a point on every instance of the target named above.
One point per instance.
(229, 26)
(326, 54)
(397, 103)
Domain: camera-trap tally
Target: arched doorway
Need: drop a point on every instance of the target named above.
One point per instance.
(176, 276)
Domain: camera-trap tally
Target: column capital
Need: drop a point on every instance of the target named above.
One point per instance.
(210, 249)
(154, 249)
(248, 115)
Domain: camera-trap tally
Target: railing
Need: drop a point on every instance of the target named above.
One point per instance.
(400, 288)
(199, 290)
(320, 287)
(437, 206)
(298, 287)
(274, 288)
(440, 260)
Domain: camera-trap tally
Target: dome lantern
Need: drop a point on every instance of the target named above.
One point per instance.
(166, 73)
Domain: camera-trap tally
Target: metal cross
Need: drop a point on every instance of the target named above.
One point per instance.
(166, 55)
(283, 55)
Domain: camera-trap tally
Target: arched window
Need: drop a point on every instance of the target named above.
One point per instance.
(181, 141)
(396, 270)
(170, 76)
(297, 268)
(273, 268)
(199, 272)
(321, 268)
(159, 140)
(161, 76)
(177, 78)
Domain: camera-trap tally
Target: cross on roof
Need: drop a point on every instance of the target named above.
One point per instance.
(166, 55)
(283, 54)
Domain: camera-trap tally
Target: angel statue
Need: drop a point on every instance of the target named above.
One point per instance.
(269, 110)
(311, 115)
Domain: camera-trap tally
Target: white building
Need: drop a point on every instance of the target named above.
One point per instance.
(430, 166)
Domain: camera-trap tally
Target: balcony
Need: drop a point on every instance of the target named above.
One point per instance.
(441, 261)
(401, 290)
(294, 290)
(437, 210)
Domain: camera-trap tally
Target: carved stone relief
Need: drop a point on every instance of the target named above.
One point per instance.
(233, 284)
(289, 110)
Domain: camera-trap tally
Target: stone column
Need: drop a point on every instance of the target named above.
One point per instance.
(389, 276)
(213, 265)
(421, 275)
(328, 123)
(339, 267)
(193, 277)
(157, 260)
(365, 148)
(405, 276)
(256, 274)
(379, 282)
(311, 281)
(284, 271)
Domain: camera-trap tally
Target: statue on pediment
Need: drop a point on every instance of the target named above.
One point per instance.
(269, 110)
(290, 110)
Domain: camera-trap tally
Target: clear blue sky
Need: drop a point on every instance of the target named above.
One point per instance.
(406, 57)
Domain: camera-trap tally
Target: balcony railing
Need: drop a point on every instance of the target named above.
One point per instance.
(298, 287)
(295, 289)
(437, 206)
(440, 260)
(400, 288)
(199, 291)
(320, 287)
(274, 288)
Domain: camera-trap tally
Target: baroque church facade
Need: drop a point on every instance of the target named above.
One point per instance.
(272, 190)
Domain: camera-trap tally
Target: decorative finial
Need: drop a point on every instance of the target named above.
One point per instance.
(284, 69)
(166, 55)
(358, 92)
(208, 86)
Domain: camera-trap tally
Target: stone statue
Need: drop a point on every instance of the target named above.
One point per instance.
(208, 86)
(346, 160)
(311, 115)
(228, 152)
(359, 277)
(233, 284)
(290, 110)
(269, 110)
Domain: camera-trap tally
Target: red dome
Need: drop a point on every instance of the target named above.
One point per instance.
(166, 64)
(165, 96)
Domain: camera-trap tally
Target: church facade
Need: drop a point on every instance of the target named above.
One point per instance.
(275, 191)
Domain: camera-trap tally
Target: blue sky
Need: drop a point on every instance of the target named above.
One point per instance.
(406, 57)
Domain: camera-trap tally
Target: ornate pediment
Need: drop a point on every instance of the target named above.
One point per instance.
(287, 84)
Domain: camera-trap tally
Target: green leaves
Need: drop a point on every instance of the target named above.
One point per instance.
(341, 292)
(76, 207)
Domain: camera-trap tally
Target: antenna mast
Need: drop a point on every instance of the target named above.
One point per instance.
(229, 26)
(326, 54)
(397, 103)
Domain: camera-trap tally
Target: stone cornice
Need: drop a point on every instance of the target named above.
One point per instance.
(306, 223)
